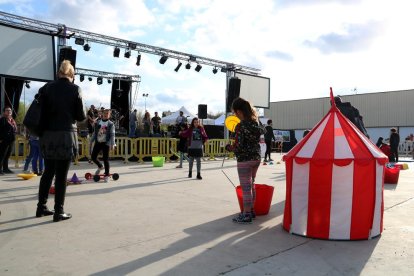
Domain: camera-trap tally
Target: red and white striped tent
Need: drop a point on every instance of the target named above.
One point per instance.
(334, 182)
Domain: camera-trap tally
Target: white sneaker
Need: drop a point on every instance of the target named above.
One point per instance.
(98, 171)
(106, 179)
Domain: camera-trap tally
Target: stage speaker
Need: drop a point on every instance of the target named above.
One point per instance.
(233, 92)
(202, 111)
(120, 100)
(69, 54)
(12, 90)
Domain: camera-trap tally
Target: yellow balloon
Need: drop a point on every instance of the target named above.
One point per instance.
(231, 122)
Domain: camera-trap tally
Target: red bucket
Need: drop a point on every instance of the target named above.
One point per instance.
(400, 166)
(391, 175)
(264, 194)
(52, 190)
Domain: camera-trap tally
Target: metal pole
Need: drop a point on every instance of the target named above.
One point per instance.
(3, 90)
(229, 74)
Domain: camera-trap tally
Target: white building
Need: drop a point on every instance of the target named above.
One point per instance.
(380, 112)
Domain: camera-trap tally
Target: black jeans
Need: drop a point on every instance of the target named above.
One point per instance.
(98, 147)
(394, 154)
(268, 148)
(5, 151)
(58, 169)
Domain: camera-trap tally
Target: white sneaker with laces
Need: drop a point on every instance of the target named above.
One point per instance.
(98, 171)
(106, 179)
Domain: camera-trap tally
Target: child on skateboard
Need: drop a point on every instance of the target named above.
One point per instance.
(104, 138)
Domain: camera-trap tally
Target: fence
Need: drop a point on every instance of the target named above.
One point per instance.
(126, 148)
(405, 148)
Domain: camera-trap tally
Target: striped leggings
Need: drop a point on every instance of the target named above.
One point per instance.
(247, 173)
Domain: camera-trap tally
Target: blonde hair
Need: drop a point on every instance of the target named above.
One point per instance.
(66, 69)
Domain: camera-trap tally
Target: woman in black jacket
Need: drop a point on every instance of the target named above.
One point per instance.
(268, 137)
(62, 106)
(7, 136)
(394, 143)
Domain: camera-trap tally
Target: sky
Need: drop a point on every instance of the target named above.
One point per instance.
(303, 46)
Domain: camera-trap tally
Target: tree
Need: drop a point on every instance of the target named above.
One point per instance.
(21, 113)
(214, 115)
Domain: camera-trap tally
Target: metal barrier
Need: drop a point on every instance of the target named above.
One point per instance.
(131, 147)
(148, 147)
(405, 148)
(216, 147)
(20, 150)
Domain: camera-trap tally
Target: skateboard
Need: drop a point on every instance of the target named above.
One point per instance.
(98, 177)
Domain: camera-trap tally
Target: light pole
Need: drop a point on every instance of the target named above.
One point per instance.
(145, 95)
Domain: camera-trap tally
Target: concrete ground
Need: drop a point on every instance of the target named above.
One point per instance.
(156, 221)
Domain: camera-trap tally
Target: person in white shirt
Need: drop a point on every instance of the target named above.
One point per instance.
(181, 119)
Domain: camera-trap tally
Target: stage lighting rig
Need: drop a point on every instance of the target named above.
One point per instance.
(99, 80)
(116, 52)
(79, 41)
(163, 59)
(198, 68)
(86, 47)
(127, 53)
(82, 77)
(138, 63)
(215, 70)
(188, 66)
(178, 66)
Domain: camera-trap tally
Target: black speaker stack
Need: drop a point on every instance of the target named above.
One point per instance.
(202, 111)
(68, 54)
(233, 92)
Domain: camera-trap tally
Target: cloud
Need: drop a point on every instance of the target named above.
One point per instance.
(282, 3)
(279, 55)
(356, 37)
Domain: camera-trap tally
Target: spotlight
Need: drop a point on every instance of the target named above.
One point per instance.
(188, 66)
(86, 47)
(27, 84)
(178, 66)
(198, 67)
(138, 60)
(163, 59)
(127, 54)
(224, 70)
(82, 77)
(99, 80)
(215, 70)
(90, 78)
(132, 46)
(109, 81)
(79, 41)
(116, 52)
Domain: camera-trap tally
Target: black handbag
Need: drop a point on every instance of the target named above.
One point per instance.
(32, 119)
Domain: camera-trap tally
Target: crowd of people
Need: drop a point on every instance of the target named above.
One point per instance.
(151, 127)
